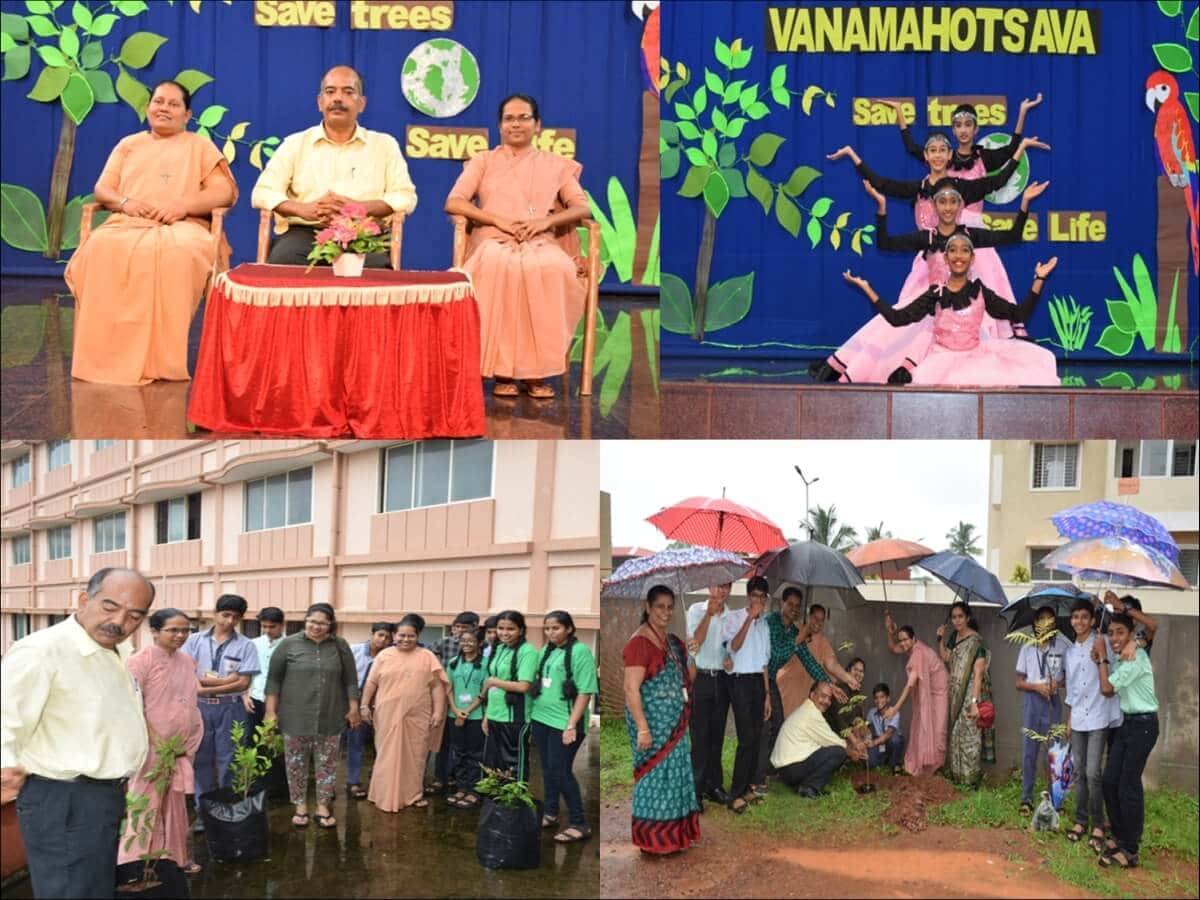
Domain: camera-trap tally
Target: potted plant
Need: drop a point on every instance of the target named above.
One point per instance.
(156, 876)
(347, 240)
(858, 704)
(510, 823)
(235, 818)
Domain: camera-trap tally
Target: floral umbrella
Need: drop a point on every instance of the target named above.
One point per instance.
(1116, 560)
(682, 570)
(1103, 518)
(719, 523)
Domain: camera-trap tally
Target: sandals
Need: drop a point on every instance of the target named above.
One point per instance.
(1118, 859)
(733, 805)
(300, 820)
(1096, 843)
(538, 390)
(1075, 835)
(326, 821)
(357, 792)
(435, 787)
(192, 868)
(420, 804)
(457, 798)
(549, 821)
(573, 834)
(506, 389)
(469, 802)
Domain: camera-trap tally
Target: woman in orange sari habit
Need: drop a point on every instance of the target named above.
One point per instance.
(529, 294)
(140, 276)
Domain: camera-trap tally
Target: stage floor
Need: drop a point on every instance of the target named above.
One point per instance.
(780, 400)
(40, 401)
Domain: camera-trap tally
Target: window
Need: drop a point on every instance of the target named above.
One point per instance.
(58, 454)
(435, 472)
(1038, 572)
(22, 625)
(1183, 459)
(1055, 466)
(20, 550)
(20, 470)
(278, 501)
(101, 445)
(108, 533)
(1189, 564)
(55, 619)
(58, 542)
(177, 519)
(1156, 459)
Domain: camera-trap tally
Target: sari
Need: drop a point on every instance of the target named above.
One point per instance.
(970, 746)
(666, 815)
(926, 750)
(529, 293)
(137, 282)
(168, 685)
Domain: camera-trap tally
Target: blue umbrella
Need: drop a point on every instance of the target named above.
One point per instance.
(969, 580)
(1059, 597)
(1103, 518)
(683, 569)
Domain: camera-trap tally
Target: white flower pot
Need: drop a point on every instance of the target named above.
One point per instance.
(349, 265)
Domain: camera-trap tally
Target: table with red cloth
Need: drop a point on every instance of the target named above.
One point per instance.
(386, 355)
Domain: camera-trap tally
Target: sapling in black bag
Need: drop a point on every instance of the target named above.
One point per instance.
(510, 823)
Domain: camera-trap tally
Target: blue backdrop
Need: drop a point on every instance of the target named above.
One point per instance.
(582, 61)
(1103, 158)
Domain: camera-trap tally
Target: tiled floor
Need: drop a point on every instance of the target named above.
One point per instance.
(39, 400)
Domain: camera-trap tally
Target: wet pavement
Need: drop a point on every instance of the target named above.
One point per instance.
(414, 853)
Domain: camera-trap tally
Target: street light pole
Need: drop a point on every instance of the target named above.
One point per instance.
(807, 482)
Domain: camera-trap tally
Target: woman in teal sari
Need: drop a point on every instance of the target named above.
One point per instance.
(970, 685)
(657, 708)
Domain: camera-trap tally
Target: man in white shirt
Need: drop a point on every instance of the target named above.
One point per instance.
(1040, 676)
(72, 733)
(749, 640)
(807, 752)
(710, 693)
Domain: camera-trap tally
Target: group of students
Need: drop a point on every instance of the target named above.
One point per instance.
(676, 690)
(955, 318)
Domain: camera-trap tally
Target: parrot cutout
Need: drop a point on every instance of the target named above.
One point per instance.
(1176, 147)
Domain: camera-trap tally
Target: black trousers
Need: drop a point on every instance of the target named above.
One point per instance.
(466, 750)
(815, 771)
(507, 746)
(749, 695)
(770, 733)
(710, 709)
(71, 829)
(1124, 797)
(291, 249)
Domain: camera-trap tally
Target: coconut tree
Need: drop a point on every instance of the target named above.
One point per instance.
(824, 528)
(875, 533)
(963, 539)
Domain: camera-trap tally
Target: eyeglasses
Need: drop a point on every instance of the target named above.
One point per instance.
(524, 118)
(316, 623)
(176, 630)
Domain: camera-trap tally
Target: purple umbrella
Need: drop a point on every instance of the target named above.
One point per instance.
(1103, 518)
(682, 570)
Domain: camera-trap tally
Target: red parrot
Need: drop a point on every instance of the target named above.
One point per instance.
(647, 10)
(1176, 148)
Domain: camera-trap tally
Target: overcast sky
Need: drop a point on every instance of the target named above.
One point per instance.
(919, 489)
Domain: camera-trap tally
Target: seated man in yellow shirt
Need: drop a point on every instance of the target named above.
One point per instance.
(807, 752)
(317, 170)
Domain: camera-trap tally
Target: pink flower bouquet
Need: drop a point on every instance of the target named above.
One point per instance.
(351, 231)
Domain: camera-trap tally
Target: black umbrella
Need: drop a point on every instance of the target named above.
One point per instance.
(1059, 597)
(968, 579)
(831, 579)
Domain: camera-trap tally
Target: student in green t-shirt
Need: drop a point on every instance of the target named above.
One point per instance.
(510, 671)
(562, 688)
(465, 729)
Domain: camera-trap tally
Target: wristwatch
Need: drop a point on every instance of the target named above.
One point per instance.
(121, 205)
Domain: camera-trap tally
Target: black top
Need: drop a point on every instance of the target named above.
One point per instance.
(941, 295)
(933, 241)
(972, 189)
(992, 158)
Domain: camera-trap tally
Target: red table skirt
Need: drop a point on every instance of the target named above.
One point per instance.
(401, 369)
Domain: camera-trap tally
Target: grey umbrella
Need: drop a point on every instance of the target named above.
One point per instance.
(833, 579)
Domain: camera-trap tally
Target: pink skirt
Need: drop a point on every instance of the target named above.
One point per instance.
(993, 363)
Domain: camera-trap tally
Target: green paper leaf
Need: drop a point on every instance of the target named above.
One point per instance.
(787, 214)
(619, 359)
(16, 63)
(1122, 316)
(22, 219)
(1193, 29)
(735, 183)
(77, 98)
(211, 116)
(52, 56)
(1173, 57)
(696, 156)
(684, 112)
(689, 130)
(38, 7)
(716, 194)
(782, 97)
(842, 220)
(130, 8)
(835, 239)
(668, 163)
(667, 130)
(1121, 380)
(721, 52)
(713, 82)
(139, 48)
(42, 26)
(814, 232)
(6, 42)
(92, 55)
(733, 90)
(81, 15)
(758, 110)
(1170, 7)
(22, 333)
(676, 303)
(15, 26)
(719, 121)
(709, 145)
(700, 100)
(1115, 341)
(799, 180)
(133, 92)
(50, 84)
(778, 76)
(820, 207)
(694, 181)
(867, 239)
(103, 24)
(193, 79)
(728, 302)
(748, 97)
(1192, 98)
(71, 216)
(726, 156)
(624, 237)
(759, 188)
(68, 43)
(735, 126)
(741, 59)
(764, 148)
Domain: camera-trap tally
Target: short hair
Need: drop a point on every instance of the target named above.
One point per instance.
(816, 686)
(466, 618)
(1082, 605)
(96, 582)
(321, 608)
(187, 95)
(1044, 611)
(881, 688)
(533, 106)
(1122, 620)
(935, 136)
(812, 609)
(967, 108)
(857, 659)
(908, 630)
(412, 620)
(271, 614)
(757, 583)
(1132, 602)
(232, 603)
(161, 617)
(383, 626)
(358, 79)
(789, 592)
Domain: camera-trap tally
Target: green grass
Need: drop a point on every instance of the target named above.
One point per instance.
(616, 763)
(843, 815)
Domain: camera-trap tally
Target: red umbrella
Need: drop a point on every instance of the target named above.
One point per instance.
(887, 558)
(719, 523)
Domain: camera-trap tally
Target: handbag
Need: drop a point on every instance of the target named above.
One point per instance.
(987, 714)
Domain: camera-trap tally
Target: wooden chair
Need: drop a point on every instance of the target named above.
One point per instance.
(216, 228)
(589, 273)
(264, 237)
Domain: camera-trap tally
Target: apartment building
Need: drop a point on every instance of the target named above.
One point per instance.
(377, 529)
(1031, 480)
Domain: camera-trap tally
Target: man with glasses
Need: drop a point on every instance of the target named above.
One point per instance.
(749, 639)
(72, 733)
(315, 172)
(225, 661)
(710, 693)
